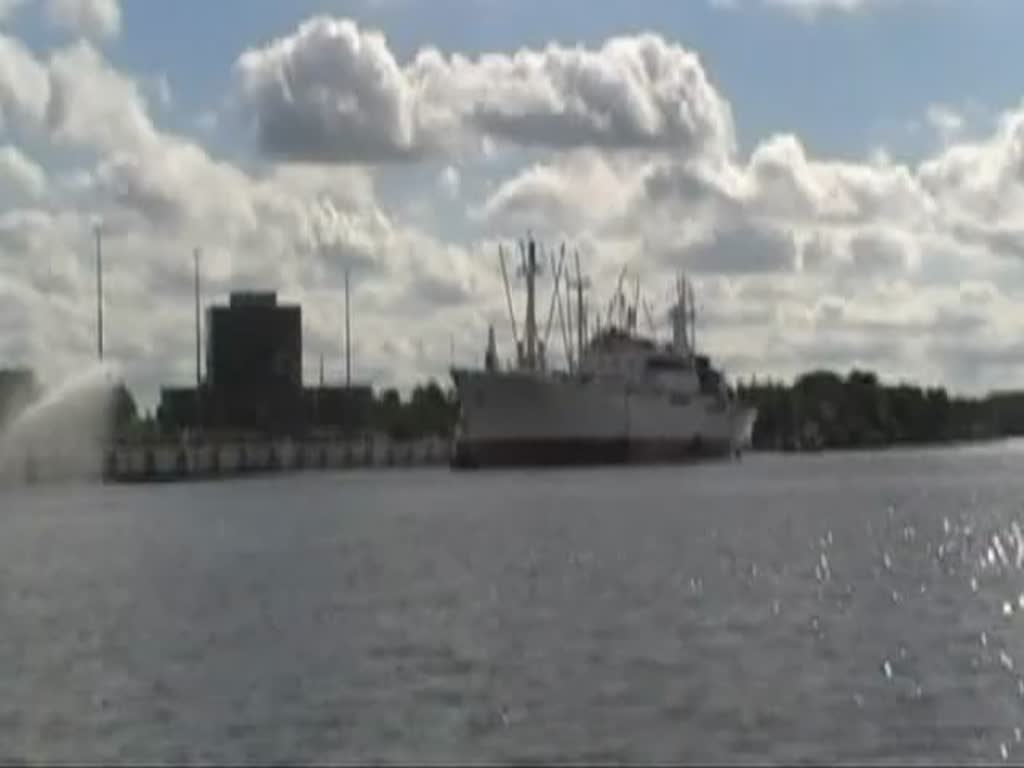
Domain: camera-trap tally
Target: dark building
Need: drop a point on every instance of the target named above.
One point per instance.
(254, 364)
(254, 377)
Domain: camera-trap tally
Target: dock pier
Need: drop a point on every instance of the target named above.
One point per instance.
(168, 462)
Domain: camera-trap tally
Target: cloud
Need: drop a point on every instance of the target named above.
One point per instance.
(21, 175)
(890, 238)
(549, 197)
(811, 7)
(331, 92)
(334, 92)
(94, 19)
(294, 229)
(94, 106)
(743, 249)
(450, 181)
(807, 9)
(24, 88)
(623, 149)
(947, 122)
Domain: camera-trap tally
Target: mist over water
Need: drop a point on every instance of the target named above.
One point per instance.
(61, 436)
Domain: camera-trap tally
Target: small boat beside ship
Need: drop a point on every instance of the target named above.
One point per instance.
(624, 398)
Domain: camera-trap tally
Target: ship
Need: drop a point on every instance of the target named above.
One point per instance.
(623, 397)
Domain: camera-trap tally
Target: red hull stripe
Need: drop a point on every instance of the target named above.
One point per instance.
(576, 452)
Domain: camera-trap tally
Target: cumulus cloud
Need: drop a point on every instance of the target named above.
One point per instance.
(294, 229)
(21, 175)
(334, 92)
(624, 149)
(745, 249)
(24, 87)
(95, 19)
(890, 238)
(93, 105)
(330, 92)
(574, 191)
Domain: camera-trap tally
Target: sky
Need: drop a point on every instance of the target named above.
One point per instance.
(842, 180)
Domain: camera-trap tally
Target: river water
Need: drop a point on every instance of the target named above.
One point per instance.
(862, 607)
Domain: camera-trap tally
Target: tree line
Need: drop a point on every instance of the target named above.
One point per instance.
(820, 410)
(825, 410)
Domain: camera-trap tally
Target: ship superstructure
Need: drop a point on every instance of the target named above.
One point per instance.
(622, 397)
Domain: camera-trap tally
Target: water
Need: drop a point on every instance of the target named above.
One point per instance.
(62, 433)
(862, 608)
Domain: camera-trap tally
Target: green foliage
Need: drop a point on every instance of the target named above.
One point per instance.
(822, 409)
(429, 411)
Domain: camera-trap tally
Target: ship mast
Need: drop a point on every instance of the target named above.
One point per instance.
(530, 271)
(681, 318)
(511, 306)
(616, 300)
(693, 317)
(557, 269)
(635, 310)
(581, 317)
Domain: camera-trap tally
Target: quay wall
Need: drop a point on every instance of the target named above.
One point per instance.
(156, 462)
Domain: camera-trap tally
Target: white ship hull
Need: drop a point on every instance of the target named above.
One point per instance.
(528, 419)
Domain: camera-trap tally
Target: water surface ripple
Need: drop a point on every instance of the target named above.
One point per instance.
(836, 608)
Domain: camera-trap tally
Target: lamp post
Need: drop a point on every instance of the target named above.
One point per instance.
(199, 374)
(98, 231)
(348, 336)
